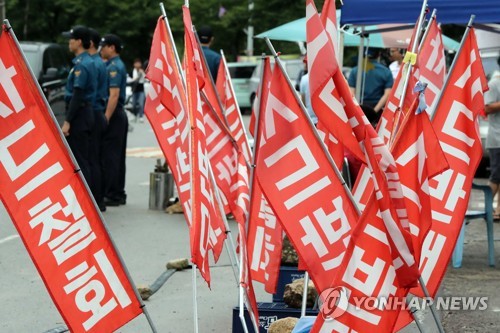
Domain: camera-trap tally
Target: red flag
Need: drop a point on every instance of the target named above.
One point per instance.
(265, 235)
(455, 123)
(326, 100)
(365, 296)
(207, 225)
(300, 184)
(431, 64)
(419, 157)
(166, 110)
(229, 165)
(52, 210)
(231, 110)
(333, 145)
(265, 241)
(329, 20)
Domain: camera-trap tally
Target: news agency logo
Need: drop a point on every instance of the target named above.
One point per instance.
(334, 302)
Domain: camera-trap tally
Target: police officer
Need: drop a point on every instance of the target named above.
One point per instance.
(80, 94)
(99, 106)
(115, 137)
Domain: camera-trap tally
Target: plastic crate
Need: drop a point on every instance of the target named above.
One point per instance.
(288, 274)
(268, 313)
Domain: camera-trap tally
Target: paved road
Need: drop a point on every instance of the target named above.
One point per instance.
(147, 240)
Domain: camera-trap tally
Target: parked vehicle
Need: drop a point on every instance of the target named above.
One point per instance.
(293, 67)
(51, 66)
(240, 73)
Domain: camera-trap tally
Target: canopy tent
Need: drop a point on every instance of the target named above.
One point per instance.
(295, 31)
(363, 12)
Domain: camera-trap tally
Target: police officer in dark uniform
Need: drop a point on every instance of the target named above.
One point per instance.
(115, 137)
(99, 106)
(206, 38)
(80, 95)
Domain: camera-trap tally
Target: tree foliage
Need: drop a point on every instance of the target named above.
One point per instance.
(134, 21)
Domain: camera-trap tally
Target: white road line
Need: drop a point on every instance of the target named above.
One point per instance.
(6, 239)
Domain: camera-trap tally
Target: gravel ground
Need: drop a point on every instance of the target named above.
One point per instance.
(475, 278)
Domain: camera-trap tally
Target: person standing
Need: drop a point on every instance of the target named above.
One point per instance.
(115, 137)
(206, 38)
(397, 56)
(138, 96)
(306, 95)
(99, 106)
(80, 95)
(378, 82)
(492, 109)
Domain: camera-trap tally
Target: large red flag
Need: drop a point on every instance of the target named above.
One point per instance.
(419, 157)
(166, 110)
(206, 216)
(51, 208)
(231, 110)
(455, 123)
(365, 296)
(265, 235)
(301, 186)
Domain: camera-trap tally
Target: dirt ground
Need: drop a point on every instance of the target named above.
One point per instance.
(475, 278)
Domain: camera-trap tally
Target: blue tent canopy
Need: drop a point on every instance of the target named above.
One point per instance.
(362, 12)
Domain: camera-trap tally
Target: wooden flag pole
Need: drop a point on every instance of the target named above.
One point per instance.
(82, 178)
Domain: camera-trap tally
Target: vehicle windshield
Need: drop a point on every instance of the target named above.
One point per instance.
(241, 72)
(33, 60)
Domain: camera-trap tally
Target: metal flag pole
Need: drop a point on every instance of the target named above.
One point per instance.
(452, 67)
(195, 302)
(82, 178)
(360, 65)
(348, 192)
(304, 295)
(431, 305)
(241, 313)
(171, 37)
(408, 69)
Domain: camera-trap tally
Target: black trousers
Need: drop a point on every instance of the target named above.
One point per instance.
(113, 155)
(79, 140)
(96, 165)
